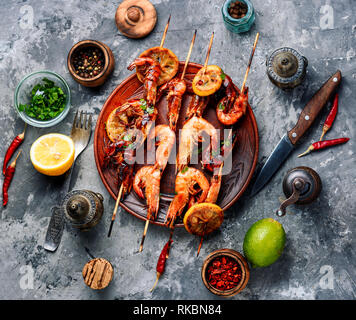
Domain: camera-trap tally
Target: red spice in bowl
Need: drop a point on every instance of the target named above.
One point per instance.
(224, 273)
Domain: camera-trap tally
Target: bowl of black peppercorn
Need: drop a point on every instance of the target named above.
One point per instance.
(90, 62)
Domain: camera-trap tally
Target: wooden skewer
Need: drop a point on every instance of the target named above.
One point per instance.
(188, 56)
(144, 235)
(165, 32)
(115, 209)
(200, 244)
(208, 53)
(250, 61)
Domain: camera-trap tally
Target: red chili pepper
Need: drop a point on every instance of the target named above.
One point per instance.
(9, 174)
(331, 117)
(324, 144)
(161, 263)
(12, 148)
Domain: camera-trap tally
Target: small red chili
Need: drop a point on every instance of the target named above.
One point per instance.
(12, 148)
(161, 263)
(224, 273)
(324, 144)
(331, 117)
(9, 174)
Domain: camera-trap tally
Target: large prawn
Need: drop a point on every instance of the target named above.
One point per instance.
(185, 187)
(191, 134)
(152, 70)
(229, 115)
(176, 89)
(149, 177)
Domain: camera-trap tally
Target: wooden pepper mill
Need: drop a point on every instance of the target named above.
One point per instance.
(98, 273)
(136, 18)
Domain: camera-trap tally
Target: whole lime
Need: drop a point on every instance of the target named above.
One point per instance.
(264, 242)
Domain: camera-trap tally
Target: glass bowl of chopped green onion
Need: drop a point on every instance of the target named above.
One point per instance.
(42, 99)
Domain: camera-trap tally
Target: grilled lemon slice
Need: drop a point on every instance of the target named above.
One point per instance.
(203, 218)
(207, 81)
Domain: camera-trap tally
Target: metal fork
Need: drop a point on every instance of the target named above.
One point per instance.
(80, 134)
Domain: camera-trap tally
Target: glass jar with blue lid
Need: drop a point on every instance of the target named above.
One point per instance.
(238, 25)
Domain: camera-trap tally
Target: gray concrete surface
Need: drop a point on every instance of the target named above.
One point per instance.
(319, 259)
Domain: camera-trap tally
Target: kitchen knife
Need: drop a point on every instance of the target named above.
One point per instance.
(289, 140)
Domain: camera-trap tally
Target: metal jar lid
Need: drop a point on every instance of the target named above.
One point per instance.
(286, 68)
(79, 207)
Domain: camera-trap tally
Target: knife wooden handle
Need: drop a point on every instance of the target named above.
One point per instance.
(313, 107)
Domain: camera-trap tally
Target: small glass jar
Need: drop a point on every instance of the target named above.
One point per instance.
(238, 25)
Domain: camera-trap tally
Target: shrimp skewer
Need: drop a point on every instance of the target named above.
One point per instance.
(149, 177)
(228, 114)
(152, 70)
(150, 88)
(176, 89)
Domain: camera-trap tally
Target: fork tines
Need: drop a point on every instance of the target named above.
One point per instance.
(84, 121)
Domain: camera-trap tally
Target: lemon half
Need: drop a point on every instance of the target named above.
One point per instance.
(52, 154)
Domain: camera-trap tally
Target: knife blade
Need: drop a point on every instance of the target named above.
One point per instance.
(288, 142)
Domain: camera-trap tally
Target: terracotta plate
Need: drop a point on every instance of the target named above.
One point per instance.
(244, 156)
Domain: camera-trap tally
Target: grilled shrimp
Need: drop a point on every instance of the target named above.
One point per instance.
(190, 134)
(215, 185)
(176, 89)
(149, 178)
(165, 141)
(196, 107)
(229, 115)
(152, 71)
(186, 181)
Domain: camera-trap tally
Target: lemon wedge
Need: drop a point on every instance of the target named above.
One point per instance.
(52, 154)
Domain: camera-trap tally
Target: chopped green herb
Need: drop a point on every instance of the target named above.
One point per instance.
(185, 169)
(227, 143)
(150, 110)
(221, 106)
(47, 101)
(143, 105)
(222, 76)
(127, 137)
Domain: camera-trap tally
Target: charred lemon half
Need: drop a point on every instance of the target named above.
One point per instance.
(203, 218)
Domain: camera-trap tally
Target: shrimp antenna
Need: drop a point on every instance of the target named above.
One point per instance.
(165, 32)
(188, 56)
(250, 61)
(209, 49)
(115, 209)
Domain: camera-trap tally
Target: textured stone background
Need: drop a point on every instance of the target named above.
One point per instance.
(318, 235)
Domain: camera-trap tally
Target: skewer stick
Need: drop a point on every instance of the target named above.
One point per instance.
(188, 56)
(208, 53)
(144, 235)
(165, 32)
(200, 244)
(250, 61)
(115, 209)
